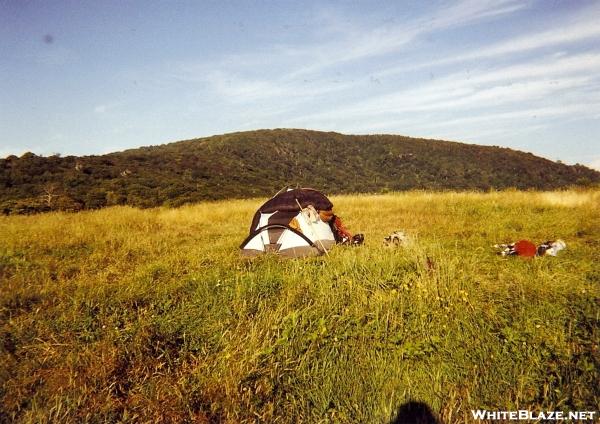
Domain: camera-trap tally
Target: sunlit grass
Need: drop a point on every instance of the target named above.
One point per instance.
(151, 315)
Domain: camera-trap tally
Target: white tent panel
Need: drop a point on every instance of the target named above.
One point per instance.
(289, 240)
(317, 230)
(256, 242)
(264, 235)
(264, 219)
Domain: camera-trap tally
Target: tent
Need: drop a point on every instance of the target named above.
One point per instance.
(292, 224)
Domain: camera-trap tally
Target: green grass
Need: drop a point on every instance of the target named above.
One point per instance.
(123, 315)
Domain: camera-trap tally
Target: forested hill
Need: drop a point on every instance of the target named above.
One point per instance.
(259, 163)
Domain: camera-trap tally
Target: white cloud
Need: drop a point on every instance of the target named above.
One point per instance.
(569, 78)
(585, 27)
(468, 11)
(576, 32)
(238, 89)
(356, 42)
(594, 163)
(278, 68)
(546, 67)
(232, 79)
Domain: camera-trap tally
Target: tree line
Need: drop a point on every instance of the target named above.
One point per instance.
(259, 163)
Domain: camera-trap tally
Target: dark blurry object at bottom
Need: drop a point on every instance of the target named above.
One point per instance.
(415, 413)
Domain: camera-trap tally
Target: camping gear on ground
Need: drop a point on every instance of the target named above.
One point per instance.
(356, 240)
(296, 223)
(395, 239)
(527, 249)
(551, 247)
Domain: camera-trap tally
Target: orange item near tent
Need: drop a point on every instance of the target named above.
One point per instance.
(341, 229)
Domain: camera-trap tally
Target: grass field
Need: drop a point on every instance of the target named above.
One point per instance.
(126, 315)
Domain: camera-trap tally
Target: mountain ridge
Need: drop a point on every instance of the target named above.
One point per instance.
(260, 162)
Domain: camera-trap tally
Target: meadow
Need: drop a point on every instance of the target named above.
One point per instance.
(128, 315)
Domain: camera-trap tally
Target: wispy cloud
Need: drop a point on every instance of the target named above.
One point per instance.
(357, 42)
(469, 11)
(584, 29)
(238, 89)
(299, 70)
(567, 80)
(581, 28)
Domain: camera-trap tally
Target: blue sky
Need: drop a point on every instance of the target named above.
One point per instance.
(91, 77)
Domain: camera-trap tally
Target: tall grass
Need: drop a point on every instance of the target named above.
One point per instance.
(126, 315)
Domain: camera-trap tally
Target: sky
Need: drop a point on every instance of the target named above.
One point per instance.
(92, 77)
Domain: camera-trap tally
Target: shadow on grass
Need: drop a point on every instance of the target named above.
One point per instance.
(415, 413)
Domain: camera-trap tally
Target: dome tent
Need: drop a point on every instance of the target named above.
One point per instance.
(290, 224)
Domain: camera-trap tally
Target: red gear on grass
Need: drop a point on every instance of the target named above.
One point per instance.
(525, 248)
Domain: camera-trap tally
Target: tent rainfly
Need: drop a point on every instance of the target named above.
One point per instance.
(291, 224)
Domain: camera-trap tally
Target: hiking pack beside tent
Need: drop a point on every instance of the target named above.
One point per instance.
(294, 223)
